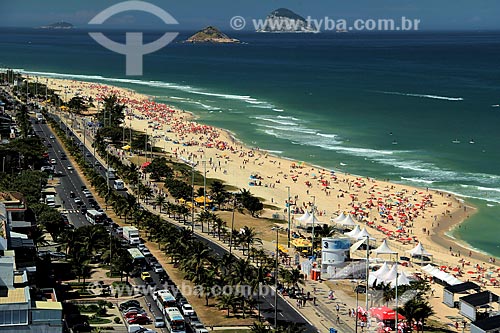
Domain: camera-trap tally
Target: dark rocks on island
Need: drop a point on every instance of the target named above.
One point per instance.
(285, 20)
(211, 35)
(58, 25)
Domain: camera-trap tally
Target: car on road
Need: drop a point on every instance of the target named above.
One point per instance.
(87, 194)
(83, 209)
(78, 201)
(129, 304)
(72, 194)
(49, 145)
(63, 156)
(145, 275)
(58, 255)
(69, 167)
(187, 310)
(198, 328)
(157, 268)
(53, 161)
(52, 137)
(159, 322)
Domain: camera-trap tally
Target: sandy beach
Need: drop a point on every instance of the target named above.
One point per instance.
(404, 215)
(387, 205)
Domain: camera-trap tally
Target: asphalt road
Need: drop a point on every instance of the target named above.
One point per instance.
(72, 182)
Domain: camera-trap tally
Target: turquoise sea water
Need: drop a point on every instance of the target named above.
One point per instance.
(341, 101)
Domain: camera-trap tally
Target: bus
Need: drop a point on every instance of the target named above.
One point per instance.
(95, 217)
(137, 257)
(175, 320)
(118, 184)
(164, 300)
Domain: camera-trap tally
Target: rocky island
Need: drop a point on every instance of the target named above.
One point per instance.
(285, 20)
(58, 25)
(211, 35)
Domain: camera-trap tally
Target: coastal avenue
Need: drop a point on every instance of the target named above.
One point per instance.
(286, 313)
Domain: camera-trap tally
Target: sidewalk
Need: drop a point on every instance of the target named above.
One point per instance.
(323, 315)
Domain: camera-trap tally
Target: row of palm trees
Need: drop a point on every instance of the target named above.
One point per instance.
(239, 278)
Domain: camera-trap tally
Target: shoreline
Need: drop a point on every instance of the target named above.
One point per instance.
(438, 236)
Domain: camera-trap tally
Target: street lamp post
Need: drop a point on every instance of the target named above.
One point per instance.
(192, 197)
(276, 284)
(313, 218)
(232, 226)
(396, 293)
(204, 185)
(289, 208)
(367, 273)
(356, 309)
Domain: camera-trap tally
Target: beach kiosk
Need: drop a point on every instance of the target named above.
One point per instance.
(470, 304)
(450, 291)
(334, 252)
(489, 325)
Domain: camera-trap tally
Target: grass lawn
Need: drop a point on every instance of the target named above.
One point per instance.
(99, 321)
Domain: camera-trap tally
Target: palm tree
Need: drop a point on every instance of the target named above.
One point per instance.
(160, 201)
(204, 217)
(37, 234)
(219, 225)
(249, 237)
(417, 309)
(227, 301)
(259, 327)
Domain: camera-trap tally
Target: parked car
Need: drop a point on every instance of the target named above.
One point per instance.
(139, 319)
(146, 252)
(129, 304)
(69, 167)
(134, 309)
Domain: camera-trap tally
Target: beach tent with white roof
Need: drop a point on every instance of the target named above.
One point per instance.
(309, 222)
(419, 250)
(339, 218)
(384, 249)
(304, 217)
(389, 276)
(384, 269)
(354, 232)
(363, 234)
(348, 221)
(402, 280)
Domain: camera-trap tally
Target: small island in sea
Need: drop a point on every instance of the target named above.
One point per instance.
(285, 20)
(211, 34)
(58, 25)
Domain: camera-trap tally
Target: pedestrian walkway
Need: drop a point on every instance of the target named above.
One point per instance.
(323, 315)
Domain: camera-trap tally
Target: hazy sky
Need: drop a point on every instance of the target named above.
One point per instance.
(193, 14)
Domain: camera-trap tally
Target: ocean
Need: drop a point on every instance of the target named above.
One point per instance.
(417, 108)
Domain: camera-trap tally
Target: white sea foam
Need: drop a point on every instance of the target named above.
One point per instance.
(333, 136)
(417, 180)
(154, 83)
(423, 96)
(278, 110)
(288, 117)
(275, 120)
